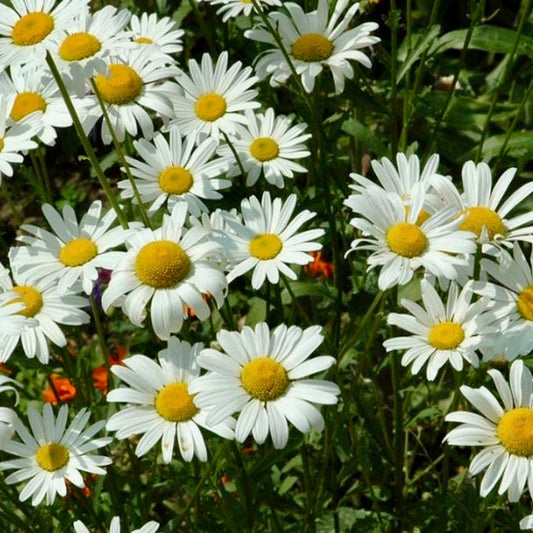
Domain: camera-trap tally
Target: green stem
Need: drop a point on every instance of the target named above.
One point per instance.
(394, 15)
(510, 130)
(99, 329)
(353, 337)
(505, 75)
(205, 30)
(17, 218)
(41, 191)
(86, 143)
(398, 438)
(235, 155)
(475, 18)
(121, 155)
(44, 174)
(244, 485)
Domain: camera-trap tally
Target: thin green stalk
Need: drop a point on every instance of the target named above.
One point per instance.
(526, 11)
(353, 337)
(121, 155)
(42, 192)
(402, 145)
(17, 218)
(394, 22)
(398, 439)
(235, 154)
(44, 174)
(510, 130)
(474, 20)
(86, 143)
(99, 329)
(244, 486)
(205, 30)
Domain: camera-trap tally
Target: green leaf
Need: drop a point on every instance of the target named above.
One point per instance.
(419, 44)
(364, 136)
(520, 145)
(487, 38)
(257, 312)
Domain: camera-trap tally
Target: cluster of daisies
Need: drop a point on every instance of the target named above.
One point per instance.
(116, 76)
(465, 253)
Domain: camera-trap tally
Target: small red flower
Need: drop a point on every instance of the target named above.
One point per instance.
(319, 267)
(61, 390)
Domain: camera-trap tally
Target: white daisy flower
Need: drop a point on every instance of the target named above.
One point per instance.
(170, 266)
(161, 34)
(83, 46)
(163, 409)
(314, 42)
(214, 97)
(401, 180)
(74, 251)
(442, 332)
(114, 527)
(7, 415)
(176, 171)
(33, 89)
(267, 240)
(401, 245)
(260, 375)
(15, 138)
(268, 144)
(234, 8)
(506, 433)
(29, 30)
(44, 308)
(486, 207)
(130, 88)
(52, 453)
(526, 522)
(512, 302)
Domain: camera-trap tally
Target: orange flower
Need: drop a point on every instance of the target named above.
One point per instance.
(190, 311)
(319, 267)
(100, 372)
(63, 390)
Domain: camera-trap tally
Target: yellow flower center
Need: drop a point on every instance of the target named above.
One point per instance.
(210, 107)
(78, 252)
(32, 299)
(79, 46)
(525, 303)
(446, 336)
(175, 180)
(264, 379)
(264, 149)
(32, 28)
(143, 40)
(477, 217)
(407, 240)
(162, 264)
(1, 144)
(312, 47)
(515, 431)
(422, 216)
(121, 87)
(265, 246)
(174, 403)
(52, 456)
(26, 103)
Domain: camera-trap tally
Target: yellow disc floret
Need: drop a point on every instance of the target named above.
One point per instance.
(31, 297)
(175, 180)
(515, 431)
(525, 303)
(264, 149)
(52, 456)
(32, 28)
(312, 47)
(174, 403)
(121, 87)
(264, 379)
(407, 240)
(78, 46)
(78, 252)
(210, 107)
(143, 40)
(446, 336)
(1, 144)
(26, 103)
(480, 216)
(162, 264)
(265, 246)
